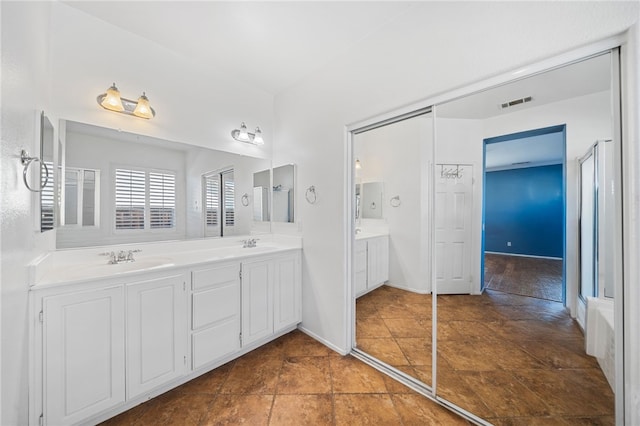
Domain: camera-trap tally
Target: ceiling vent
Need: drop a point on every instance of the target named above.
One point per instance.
(520, 163)
(516, 102)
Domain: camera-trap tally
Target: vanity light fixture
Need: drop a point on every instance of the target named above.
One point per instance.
(242, 135)
(112, 101)
(358, 165)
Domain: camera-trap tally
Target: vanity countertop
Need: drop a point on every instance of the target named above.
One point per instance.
(78, 265)
(370, 234)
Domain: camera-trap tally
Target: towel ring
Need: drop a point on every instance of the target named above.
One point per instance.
(395, 201)
(26, 162)
(311, 195)
(245, 199)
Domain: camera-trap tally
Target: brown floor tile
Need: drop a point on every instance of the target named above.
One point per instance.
(370, 409)
(420, 311)
(253, 376)
(418, 410)
(453, 388)
(386, 350)
(350, 375)
(294, 410)
(239, 409)
(128, 418)
(394, 310)
(209, 382)
(297, 343)
(407, 327)
(557, 355)
(505, 395)
(175, 409)
(305, 375)
(372, 327)
(566, 391)
(416, 350)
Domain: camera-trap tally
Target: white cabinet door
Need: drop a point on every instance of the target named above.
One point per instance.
(215, 313)
(361, 267)
(156, 332)
(287, 291)
(257, 300)
(84, 355)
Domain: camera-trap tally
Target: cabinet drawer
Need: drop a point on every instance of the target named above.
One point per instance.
(211, 277)
(215, 342)
(215, 304)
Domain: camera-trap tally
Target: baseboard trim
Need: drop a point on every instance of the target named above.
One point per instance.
(408, 289)
(523, 255)
(323, 341)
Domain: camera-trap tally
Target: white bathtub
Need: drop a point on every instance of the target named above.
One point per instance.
(599, 335)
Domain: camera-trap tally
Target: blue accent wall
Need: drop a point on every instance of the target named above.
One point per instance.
(524, 206)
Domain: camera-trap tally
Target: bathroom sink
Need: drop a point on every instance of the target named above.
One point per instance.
(105, 269)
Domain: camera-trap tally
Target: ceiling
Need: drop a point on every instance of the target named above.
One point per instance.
(578, 79)
(268, 45)
(525, 152)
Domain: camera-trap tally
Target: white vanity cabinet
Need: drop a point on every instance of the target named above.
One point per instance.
(361, 267)
(104, 345)
(215, 312)
(271, 296)
(156, 332)
(83, 369)
(371, 263)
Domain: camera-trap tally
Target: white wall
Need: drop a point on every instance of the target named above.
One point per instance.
(193, 105)
(25, 68)
(396, 155)
(434, 47)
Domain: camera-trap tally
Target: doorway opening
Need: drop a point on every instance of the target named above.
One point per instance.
(524, 213)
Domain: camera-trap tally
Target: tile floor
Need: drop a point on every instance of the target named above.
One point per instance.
(507, 358)
(526, 276)
(295, 381)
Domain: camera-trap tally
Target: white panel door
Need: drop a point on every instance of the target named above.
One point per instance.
(84, 359)
(287, 291)
(156, 332)
(453, 214)
(257, 300)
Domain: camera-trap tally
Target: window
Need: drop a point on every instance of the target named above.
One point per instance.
(145, 199)
(82, 197)
(219, 214)
(46, 198)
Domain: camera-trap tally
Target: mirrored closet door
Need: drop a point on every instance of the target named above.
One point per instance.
(478, 201)
(392, 247)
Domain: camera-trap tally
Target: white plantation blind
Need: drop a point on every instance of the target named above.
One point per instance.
(145, 200)
(162, 200)
(130, 199)
(212, 200)
(46, 197)
(229, 198)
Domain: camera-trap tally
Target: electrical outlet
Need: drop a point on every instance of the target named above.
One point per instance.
(508, 243)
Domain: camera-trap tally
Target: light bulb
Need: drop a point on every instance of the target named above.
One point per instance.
(112, 99)
(143, 109)
(257, 139)
(243, 135)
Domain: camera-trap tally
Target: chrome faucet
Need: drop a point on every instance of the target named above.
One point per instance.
(249, 243)
(121, 257)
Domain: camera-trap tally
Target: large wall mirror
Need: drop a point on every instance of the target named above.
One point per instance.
(496, 194)
(122, 188)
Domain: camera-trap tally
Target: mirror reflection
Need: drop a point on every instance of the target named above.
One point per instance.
(261, 196)
(122, 188)
(514, 346)
(284, 193)
(48, 174)
(393, 306)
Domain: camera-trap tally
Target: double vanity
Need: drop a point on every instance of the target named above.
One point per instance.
(108, 336)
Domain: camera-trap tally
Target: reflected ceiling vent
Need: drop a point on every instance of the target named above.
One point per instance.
(516, 102)
(520, 163)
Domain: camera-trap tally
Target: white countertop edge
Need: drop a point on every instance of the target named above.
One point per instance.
(60, 267)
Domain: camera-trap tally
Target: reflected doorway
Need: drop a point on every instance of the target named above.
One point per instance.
(524, 213)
